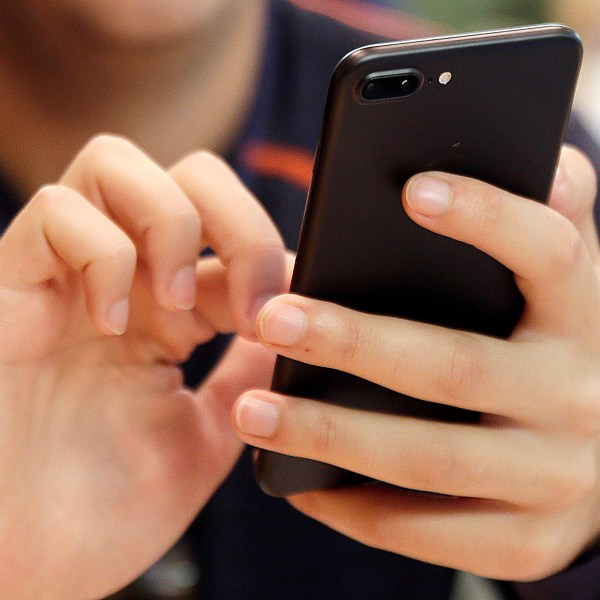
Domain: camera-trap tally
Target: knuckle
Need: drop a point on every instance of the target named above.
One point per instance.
(205, 161)
(209, 158)
(489, 207)
(350, 340)
(47, 197)
(56, 204)
(481, 204)
(106, 143)
(98, 158)
(327, 434)
(202, 171)
(461, 367)
(434, 465)
(448, 470)
(335, 337)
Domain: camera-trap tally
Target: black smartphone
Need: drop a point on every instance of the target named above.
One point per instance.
(491, 105)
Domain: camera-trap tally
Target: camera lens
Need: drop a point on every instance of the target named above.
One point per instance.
(386, 87)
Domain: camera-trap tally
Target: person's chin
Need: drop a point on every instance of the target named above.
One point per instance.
(148, 22)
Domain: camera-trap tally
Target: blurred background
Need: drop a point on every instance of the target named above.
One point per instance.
(476, 14)
(581, 15)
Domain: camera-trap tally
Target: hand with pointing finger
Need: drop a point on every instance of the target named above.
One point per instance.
(106, 456)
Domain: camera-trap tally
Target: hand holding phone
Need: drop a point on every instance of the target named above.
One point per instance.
(493, 106)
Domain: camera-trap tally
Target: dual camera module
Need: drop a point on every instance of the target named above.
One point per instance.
(388, 86)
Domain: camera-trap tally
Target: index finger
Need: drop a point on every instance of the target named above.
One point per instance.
(239, 230)
(546, 252)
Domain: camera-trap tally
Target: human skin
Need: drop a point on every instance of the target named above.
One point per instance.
(101, 441)
(173, 76)
(522, 487)
(106, 457)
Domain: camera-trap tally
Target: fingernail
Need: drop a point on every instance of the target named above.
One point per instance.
(428, 196)
(283, 325)
(257, 417)
(117, 316)
(182, 290)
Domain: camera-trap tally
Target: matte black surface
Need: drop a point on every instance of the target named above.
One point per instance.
(502, 119)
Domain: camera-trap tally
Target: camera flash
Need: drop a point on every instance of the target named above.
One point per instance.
(445, 78)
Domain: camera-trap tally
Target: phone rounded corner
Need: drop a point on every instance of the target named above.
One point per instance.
(569, 37)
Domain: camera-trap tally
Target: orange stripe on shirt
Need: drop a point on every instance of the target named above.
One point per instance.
(288, 163)
(379, 20)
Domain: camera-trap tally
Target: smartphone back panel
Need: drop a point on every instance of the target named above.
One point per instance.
(501, 118)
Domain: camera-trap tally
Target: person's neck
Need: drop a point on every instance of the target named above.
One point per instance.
(171, 100)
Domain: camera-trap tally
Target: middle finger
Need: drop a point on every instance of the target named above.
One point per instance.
(428, 362)
(552, 264)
